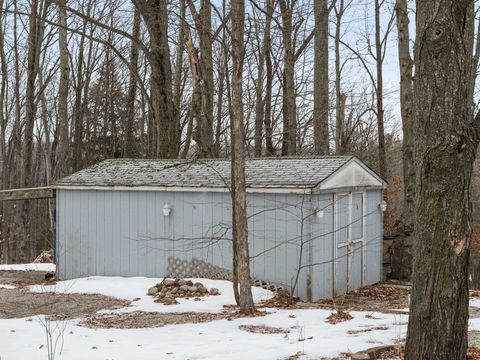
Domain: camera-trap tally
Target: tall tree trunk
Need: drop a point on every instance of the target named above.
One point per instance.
(61, 165)
(15, 148)
(179, 52)
(402, 246)
(270, 151)
(445, 146)
(206, 62)
(130, 148)
(221, 85)
(3, 118)
(164, 131)
(382, 154)
(239, 199)
(77, 157)
(320, 81)
(35, 40)
(339, 110)
(259, 104)
(202, 72)
(289, 142)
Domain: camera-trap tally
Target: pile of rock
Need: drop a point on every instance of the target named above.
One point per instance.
(169, 290)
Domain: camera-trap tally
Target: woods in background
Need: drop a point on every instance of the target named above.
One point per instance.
(82, 81)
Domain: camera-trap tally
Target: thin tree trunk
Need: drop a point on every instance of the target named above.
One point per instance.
(320, 81)
(77, 158)
(289, 143)
(339, 113)
(3, 118)
(61, 167)
(239, 201)
(221, 85)
(259, 106)
(382, 154)
(402, 246)
(177, 77)
(445, 146)
(130, 148)
(270, 151)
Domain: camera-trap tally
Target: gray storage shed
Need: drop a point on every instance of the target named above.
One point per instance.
(316, 217)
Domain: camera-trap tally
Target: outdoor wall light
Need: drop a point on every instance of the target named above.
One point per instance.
(319, 213)
(167, 209)
(383, 206)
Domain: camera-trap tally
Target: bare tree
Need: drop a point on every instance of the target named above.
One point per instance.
(239, 198)
(268, 79)
(202, 70)
(446, 139)
(129, 149)
(38, 13)
(402, 252)
(320, 82)
(340, 97)
(164, 132)
(380, 43)
(61, 168)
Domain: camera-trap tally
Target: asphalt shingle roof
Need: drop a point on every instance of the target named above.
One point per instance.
(290, 172)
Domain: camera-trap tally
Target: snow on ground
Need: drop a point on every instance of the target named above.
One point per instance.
(7, 286)
(216, 340)
(136, 288)
(29, 267)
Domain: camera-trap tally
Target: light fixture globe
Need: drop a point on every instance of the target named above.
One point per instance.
(383, 206)
(167, 209)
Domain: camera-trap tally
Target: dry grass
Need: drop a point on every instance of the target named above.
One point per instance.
(262, 329)
(140, 319)
(339, 316)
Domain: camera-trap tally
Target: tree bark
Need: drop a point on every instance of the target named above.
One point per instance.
(202, 73)
(239, 201)
(320, 81)
(339, 110)
(61, 166)
(130, 148)
(270, 151)
(382, 154)
(445, 145)
(259, 104)
(289, 142)
(402, 246)
(164, 131)
(3, 117)
(35, 41)
(178, 74)
(77, 157)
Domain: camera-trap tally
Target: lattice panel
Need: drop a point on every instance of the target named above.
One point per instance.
(179, 268)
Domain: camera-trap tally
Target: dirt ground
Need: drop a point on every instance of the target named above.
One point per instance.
(140, 319)
(18, 303)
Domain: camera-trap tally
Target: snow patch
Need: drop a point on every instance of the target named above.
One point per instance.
(47, 267)
(136, 288)
(7, 286)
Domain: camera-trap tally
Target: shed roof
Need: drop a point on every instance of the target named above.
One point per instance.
(286, 172)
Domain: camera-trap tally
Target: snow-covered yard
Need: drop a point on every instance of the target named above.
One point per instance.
(306, 331)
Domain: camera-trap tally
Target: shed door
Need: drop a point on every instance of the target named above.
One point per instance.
(348, 235)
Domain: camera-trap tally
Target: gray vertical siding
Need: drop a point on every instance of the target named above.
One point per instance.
(125, 233)
(373, 246)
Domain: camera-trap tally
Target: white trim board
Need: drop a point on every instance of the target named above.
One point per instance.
(184, 188)
(354, 174)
